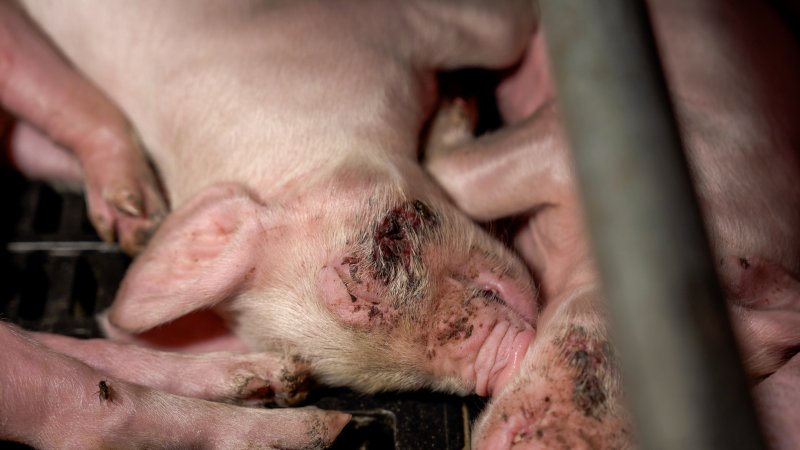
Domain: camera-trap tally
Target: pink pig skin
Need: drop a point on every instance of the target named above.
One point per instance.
(733, 74)
(50, 400)
(286, 136)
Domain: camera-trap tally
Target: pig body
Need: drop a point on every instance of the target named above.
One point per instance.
(735, 102)
(286, 135)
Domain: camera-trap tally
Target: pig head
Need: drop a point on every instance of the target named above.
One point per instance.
(369, 274)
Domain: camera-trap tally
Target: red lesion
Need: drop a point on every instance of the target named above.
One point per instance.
(394, 243)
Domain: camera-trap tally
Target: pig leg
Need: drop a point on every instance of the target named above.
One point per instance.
(40, 159)
(45, 393)
(524, 169)
(253, 379)
(567, 392)
(122, 191)
(484, 176)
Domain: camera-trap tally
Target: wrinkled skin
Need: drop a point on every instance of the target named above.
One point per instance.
(733, 75)
(286, 137)
(70, 132)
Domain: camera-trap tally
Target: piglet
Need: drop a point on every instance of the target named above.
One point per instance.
(735, 103)
(286, 136)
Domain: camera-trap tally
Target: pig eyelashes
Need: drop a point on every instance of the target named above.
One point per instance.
(396, 238)
(489, 294)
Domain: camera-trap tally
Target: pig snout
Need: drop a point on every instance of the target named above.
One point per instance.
(461, 313)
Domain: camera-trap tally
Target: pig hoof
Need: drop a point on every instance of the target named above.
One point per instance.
(127, 202)
(129, 211)
(452, 126)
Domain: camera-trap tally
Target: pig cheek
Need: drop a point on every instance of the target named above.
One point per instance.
(354, 307)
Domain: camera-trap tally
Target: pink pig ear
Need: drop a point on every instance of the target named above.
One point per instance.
(203, 254)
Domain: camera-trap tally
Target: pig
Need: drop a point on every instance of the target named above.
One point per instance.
(286, 138)
(733, 75)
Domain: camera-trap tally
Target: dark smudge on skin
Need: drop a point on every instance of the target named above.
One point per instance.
(588, 359)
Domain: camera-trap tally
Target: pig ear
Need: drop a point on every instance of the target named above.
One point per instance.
(203, 254)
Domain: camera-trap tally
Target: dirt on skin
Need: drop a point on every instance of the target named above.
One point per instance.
(589, 361)
(396, 239)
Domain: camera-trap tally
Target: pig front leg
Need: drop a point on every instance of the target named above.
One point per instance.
(567, 392)
(45, 393)
(250, 379)
(39, 86)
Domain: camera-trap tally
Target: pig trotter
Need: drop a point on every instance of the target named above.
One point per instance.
(123, 196)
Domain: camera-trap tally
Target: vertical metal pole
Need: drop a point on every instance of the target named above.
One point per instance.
(683, 378)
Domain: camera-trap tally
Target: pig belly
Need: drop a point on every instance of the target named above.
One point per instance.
(742, 144)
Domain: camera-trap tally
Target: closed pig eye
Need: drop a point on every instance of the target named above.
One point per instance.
(491, 295)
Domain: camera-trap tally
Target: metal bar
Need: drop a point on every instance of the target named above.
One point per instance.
(684, 382)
